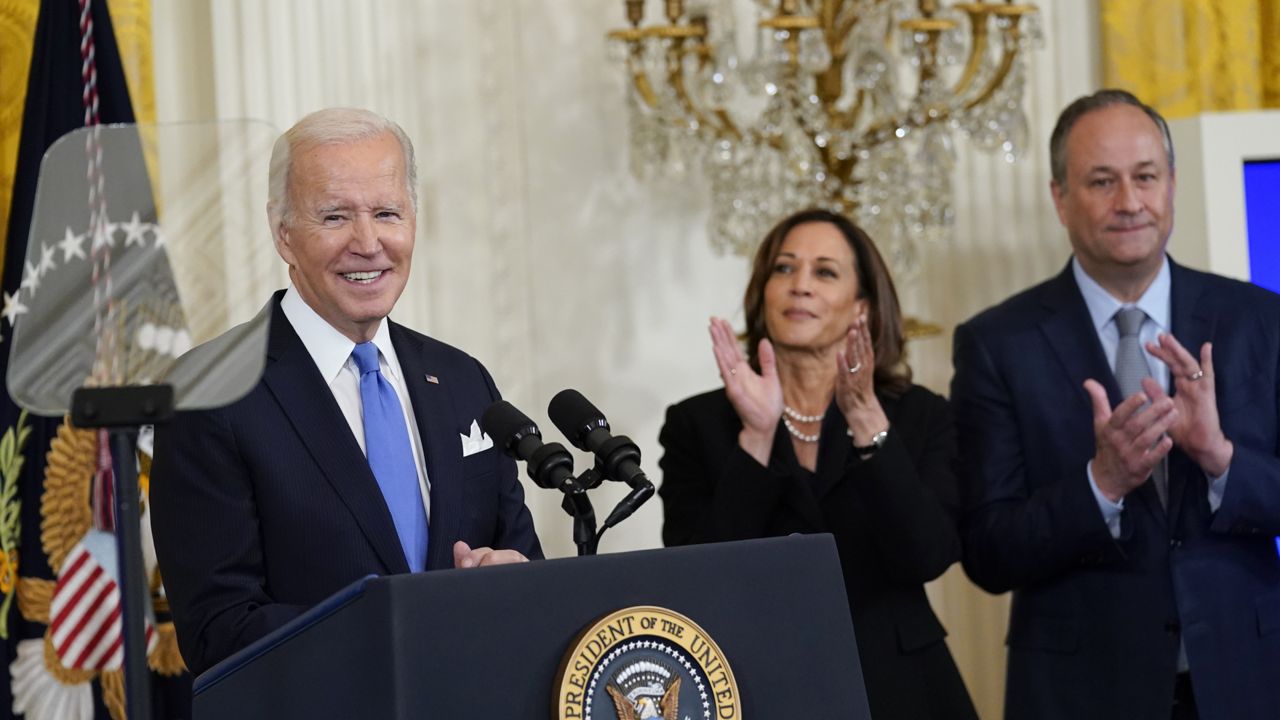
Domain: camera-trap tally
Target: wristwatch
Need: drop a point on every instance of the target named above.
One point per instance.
(877, 442)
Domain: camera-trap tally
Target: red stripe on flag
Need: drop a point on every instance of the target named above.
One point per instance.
(109, 659)
(92, 577)
(84, 620)
(89, 649)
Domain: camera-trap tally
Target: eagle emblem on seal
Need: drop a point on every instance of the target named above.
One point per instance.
(645, 689)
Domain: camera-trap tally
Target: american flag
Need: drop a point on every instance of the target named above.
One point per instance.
(84, 614)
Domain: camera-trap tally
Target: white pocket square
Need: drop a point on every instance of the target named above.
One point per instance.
(475, 442)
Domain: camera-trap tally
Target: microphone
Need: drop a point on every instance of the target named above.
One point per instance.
(548, 464)
(585, 427)
(617, 457)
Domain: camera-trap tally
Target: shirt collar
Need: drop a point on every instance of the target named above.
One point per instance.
(1103, 306)
(330, 349)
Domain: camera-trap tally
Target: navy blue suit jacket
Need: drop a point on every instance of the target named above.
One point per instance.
(263, 508)
(1096, 622)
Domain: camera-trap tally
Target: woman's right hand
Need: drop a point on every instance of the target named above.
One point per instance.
(756, 397)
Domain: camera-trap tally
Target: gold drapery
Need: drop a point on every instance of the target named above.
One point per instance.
(131, 20)
(17, 31)
(1190, 56)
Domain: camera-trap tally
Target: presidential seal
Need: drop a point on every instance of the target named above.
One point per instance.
(645, 662)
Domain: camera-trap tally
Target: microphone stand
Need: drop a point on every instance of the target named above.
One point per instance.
(578, 506)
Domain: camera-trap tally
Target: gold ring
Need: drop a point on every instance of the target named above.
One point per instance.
(1196, 375)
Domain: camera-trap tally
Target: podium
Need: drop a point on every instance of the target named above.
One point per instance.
(488, 642)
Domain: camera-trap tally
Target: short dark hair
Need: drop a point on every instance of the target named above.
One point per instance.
(892, 374)
(1087, 104)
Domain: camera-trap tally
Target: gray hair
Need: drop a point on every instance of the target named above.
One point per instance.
(325, 127)
(1087, 104)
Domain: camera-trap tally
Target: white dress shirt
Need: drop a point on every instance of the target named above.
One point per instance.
(331, 351)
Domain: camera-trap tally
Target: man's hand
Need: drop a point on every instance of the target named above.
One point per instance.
(465, 557)
(1197, 430)
(1130, 440)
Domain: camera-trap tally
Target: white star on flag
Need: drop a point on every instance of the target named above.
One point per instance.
(104, 236)
(13, 307)
(134, 230)
(72, 245)
(30, 278)
(47, 262)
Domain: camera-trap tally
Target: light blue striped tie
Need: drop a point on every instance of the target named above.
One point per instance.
(390, 454)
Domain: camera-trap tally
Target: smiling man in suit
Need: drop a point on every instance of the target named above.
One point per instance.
(1119, 441)
(356, 452)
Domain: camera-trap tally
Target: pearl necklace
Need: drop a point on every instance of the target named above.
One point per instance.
(795, 433)
(788, 415)
(786, 409)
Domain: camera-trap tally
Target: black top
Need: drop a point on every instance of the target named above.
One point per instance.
(893, 516)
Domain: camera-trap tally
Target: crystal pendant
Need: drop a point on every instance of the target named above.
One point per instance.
(815, 54)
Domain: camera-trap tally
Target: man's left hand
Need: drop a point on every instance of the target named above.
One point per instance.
(1198, 430)
(465, 557)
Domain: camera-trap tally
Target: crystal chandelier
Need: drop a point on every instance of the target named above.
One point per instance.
(846, 104)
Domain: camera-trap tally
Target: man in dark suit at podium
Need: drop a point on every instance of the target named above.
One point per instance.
(1119, 439)
(358, 452)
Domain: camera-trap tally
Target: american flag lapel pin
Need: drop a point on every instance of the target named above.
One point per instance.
(432, 379)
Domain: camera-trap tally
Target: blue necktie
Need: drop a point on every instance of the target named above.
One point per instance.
(386, 442)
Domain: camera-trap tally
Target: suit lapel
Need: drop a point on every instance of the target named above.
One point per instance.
(799, 495)
(1069, 330)
(834, 449)
(293, 379)
(434, 411)
(1193, 325)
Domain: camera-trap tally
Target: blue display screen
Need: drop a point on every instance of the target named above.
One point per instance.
(1262, 220)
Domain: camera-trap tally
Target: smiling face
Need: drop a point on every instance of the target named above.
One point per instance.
(1117, 199)
(811, 297)
(349, 238)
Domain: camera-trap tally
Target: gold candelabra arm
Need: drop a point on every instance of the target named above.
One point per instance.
(677, 35)
(958, 94)
(1008, 53)
(634, 38)
(961, 94)
(977, 13)
(675, 78)
(829, 84)
(691, 40)
(839, 26)
(644, 89)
